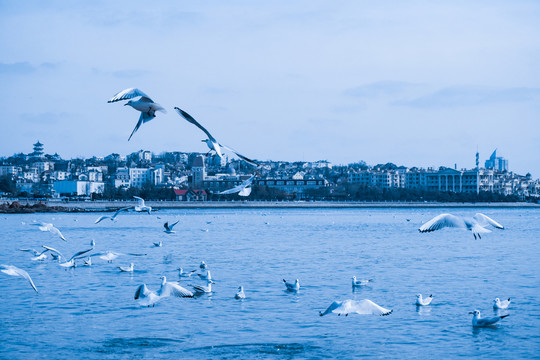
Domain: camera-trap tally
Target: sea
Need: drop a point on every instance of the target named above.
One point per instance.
(89, 312)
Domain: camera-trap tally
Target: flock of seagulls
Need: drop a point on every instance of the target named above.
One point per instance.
(141, 102)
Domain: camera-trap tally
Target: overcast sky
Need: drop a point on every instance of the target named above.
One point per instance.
(417, 83)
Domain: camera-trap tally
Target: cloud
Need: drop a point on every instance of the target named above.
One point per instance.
(471, 96)
(380, 88)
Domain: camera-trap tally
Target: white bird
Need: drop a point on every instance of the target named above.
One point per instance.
(113, 217)
(362, 307)
(240, 294)
(126, 268)
(498, 304)
(358, 283)
(15, 271)
(423, 302)
(169, 228)
(211, 142)
(182, 274)
(143, 103)
(291, 286)
(50, 228)
(140, 207)
(148, 297)
(111, 255)
(201, 289)
(477, 321)
(203, 265)
(244, 189)
(71, 261)
(475, 224)
(68, 264)
(40, 257)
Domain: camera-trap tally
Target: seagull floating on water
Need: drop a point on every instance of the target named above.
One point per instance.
(113, 217)
(169, 228)
(15, 271)
(50, 228)
(126, 268)
(147, 297)
(358, 283)
(109, 256)
(423, 302)
(211, 142)
(201, 289)
(477, 321)
(182, 274)
(362, 307)
(158, 244)
(475, 224)
(498, 304)
(240, 294)
(291, 286)
(143, 103)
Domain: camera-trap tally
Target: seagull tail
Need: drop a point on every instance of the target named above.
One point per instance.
(503, 316)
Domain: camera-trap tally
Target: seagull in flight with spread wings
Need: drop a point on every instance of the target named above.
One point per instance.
(15, 271)
(50, 228)
(211, 142)
(147, 297)
(362, 307)
(140, 207)
(113, 217)
(476, 224)
(140, 102)
(244, 189)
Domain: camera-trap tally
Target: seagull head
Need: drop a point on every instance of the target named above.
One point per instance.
(419, 296)
(497, 300)
(475, 312)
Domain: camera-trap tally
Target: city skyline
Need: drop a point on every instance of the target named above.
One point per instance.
(416, 84)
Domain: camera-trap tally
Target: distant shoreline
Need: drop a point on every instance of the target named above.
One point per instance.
(32, 206)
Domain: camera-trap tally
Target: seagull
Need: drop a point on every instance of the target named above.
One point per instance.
(88, 262)
(141, 206)
(240, 294)
(148, 297)
(358, 283)
(423, 302)
(113, 218)
(211, 142)
(475, 224)
(182, 274)
(169, 228)
(477, 321)
(126, 268)
(292, 287)
(203, 265)
(498, 304)
(111, 255)
(201, 289)
(143, 103)
(50, 227)
(71, 261)
(15, 271)
(244, 189)
(206, 275)
(158, 244)
(362, 307)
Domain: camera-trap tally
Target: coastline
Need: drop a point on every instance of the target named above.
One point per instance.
(32, 206)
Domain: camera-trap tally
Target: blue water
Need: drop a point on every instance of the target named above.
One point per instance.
(90, 313)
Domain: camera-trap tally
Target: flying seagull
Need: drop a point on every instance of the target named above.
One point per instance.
(169, 228)
(244, 189)
(477, 321)
(362, 307)
(498, 304)
(140, 207)
(423, 302)
(147, 297)
(211, 142)
(50, 228)
(15, 271)
(113, 218)
(475, 224)
(143, 103)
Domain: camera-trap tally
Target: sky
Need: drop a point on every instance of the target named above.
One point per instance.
(416, 83)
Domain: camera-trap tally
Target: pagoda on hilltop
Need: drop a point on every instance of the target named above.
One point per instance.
(38, 150)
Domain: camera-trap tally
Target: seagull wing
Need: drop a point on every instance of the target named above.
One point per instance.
(441, 221)
(119, 211)
(332, 308)
(245, 191)
(488, 321)
(365, 307)
(57, 232)
(145, 117)
(189, 118)
(166, 226)
(53, 250)
(172, 225)
(142, 292)
(79, 253)
(101, 218)
(177, 290)
(140, 200)
(128, 94)
(245, 158)
(484, 220)
(15, 271)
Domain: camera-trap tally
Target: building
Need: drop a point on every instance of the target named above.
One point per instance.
(38, 150)
(190, 195)
(496, 162)
(198, 171)
(78, 188)
(292, 186)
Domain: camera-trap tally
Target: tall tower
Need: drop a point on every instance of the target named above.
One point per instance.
(477, 172)
(477, 159)
(38, 149)
(198, 170)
